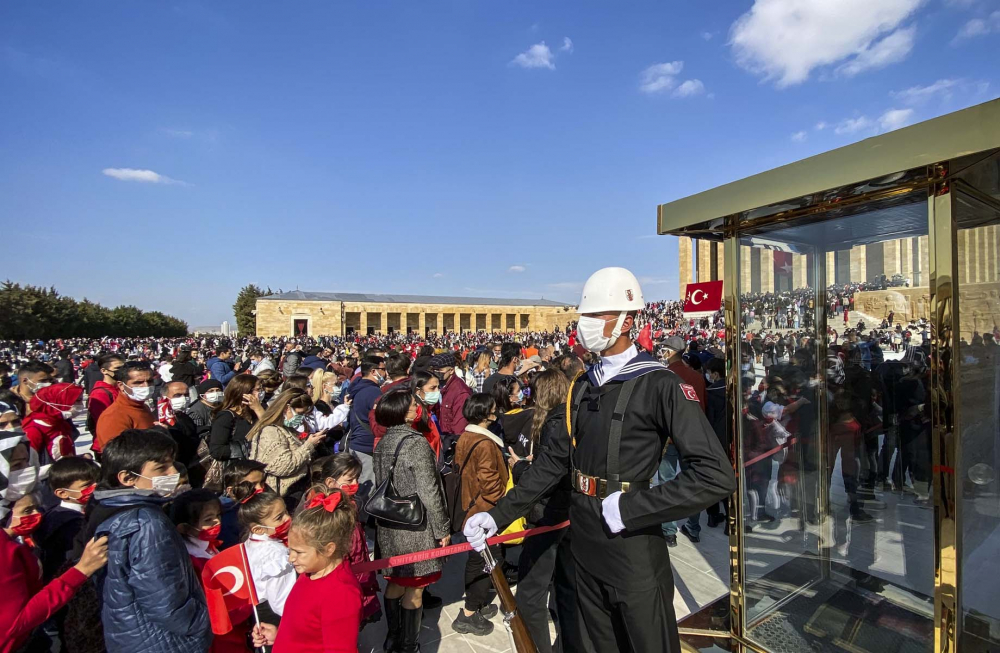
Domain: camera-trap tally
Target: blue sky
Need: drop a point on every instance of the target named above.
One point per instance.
(163, 154)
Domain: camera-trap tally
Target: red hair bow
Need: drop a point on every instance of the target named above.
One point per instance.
(329, 502)
(252, 494)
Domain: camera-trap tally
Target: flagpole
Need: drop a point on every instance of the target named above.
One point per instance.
(253, 588)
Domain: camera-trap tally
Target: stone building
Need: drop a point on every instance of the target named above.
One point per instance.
(339, 314)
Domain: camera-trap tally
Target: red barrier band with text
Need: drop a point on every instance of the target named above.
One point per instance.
(770, 453)
(443, 552)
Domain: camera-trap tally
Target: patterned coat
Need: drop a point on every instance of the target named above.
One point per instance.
(286, 456)
(416, 473)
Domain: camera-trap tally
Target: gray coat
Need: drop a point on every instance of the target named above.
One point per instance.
(416, 472)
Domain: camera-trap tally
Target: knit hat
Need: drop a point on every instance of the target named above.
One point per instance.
(211, 384)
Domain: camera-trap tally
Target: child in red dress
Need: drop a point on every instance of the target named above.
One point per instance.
(323, 611)
(340, 472)
(198, 517)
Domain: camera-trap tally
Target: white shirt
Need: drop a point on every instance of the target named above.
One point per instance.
(610, 366)
(273, 575)
(69, 505)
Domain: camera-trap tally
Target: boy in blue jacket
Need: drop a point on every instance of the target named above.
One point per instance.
(152, 599)
(219, 366)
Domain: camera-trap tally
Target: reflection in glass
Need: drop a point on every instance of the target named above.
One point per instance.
(835, 334)
(977, 211)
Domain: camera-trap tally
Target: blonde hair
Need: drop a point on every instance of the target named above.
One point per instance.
(319, 380)
(320, 527)
(549, 389)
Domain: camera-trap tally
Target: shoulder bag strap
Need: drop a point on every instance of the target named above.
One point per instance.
(399, 447)
(615, 438)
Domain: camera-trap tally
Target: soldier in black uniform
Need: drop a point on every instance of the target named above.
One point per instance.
(620, 415)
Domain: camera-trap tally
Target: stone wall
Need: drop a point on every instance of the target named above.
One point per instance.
(979, 306)
(276, 317)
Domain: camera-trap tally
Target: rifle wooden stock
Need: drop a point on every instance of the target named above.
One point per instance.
(508, 606)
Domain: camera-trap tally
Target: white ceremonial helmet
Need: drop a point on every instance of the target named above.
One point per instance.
(609, 290)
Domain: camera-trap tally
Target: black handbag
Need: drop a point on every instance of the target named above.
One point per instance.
(391, 510)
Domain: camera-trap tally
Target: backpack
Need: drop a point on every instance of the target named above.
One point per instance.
(292, 362)
(451, 477)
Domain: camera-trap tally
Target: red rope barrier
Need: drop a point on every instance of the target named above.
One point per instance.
(443, 552)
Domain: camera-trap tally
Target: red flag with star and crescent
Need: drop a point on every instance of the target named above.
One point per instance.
(229, 589)
(705, 297)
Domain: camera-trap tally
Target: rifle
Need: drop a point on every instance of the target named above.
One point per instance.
(520, 638)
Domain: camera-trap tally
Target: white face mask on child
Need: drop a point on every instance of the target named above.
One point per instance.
(163, 486)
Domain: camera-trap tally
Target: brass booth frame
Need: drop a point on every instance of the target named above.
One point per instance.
(917, 161)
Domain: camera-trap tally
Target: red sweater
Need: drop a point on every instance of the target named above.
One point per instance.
(321, 616)
(24, 603)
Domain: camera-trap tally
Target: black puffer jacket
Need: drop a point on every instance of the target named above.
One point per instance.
(553, 509)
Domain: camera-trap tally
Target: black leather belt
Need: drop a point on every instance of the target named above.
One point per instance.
(600, 488)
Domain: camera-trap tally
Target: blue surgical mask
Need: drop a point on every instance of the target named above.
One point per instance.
(433, 397)
(520, 396)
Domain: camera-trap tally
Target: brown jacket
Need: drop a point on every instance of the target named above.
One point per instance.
(123, 414)
(484, 476)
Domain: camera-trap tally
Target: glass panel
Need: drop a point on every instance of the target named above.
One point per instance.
(838, 549)
(977, 212)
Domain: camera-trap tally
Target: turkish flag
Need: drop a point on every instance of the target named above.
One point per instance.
(705, 297)
(229, 589)
(782, 263)
(644, 339)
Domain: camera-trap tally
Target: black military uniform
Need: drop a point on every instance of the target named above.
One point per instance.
(624, 582)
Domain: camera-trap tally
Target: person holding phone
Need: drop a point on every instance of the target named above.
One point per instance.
(275, 440)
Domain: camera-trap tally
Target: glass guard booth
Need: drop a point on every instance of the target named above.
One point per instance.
(862, 309)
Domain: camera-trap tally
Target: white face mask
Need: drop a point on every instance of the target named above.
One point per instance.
(139, 394)
(213, 397)
(163, 486)
(35, 387)
(21, 482)
(179, 403)
(590, 330)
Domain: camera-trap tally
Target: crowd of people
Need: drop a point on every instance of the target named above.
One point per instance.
(277, 444)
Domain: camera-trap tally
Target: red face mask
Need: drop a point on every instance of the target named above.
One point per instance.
(350, 488)
(281, 531)
(210, 534)
(86, 493)
(27, 524)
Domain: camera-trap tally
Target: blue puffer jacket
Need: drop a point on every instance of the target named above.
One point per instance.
(220, 370)
(153, 600)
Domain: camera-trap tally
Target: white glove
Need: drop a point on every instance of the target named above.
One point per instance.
(612, 514)
(479, 528)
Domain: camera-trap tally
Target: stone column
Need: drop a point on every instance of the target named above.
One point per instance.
(421, 323)
(746, 272)
(799, 272)
(363, 321)
(925, 267)
(704, 260)
(766, 270)
(859, 263)
(720, 268)
(891, 257)
(684, 253)
(831, 268)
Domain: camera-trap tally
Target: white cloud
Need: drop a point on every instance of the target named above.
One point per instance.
(978, 27)
(892, 49)
(438, 275)
(689, 88)
(853, 125)
(921, 94)
(178, 133)
(567, 45)
(537, 56)
(660, 77)
(707, 36)
(798, 137)
(785, 40)
(820, 126)
(517, 268)
(143, 176)
(894, 119)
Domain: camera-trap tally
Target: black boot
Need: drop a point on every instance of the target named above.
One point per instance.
(392, 620)
(409, 629)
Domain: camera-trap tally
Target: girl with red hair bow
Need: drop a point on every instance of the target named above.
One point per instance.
(323, 610)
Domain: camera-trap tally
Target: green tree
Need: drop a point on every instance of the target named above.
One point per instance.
(244, 308)
(34, 312)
